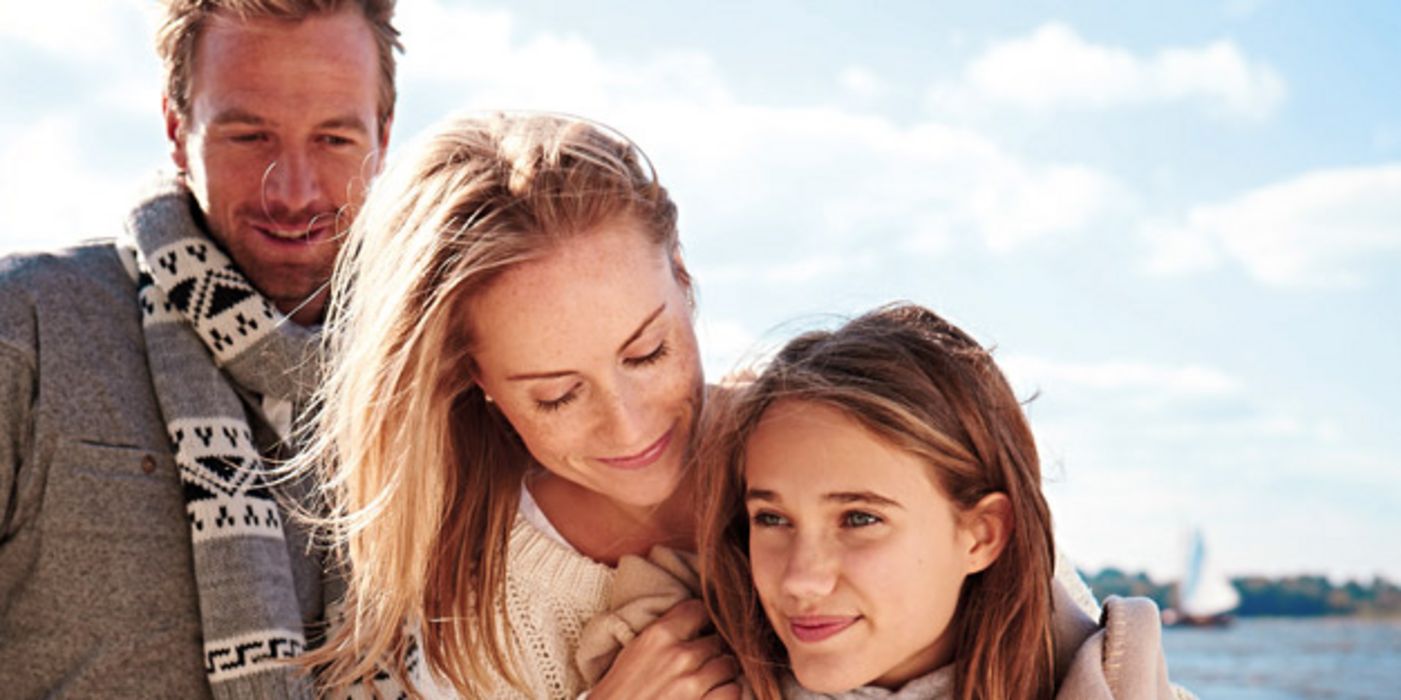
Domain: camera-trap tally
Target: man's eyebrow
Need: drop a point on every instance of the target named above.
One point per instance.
(555, 374)
(347, 121)
(242, 117)
(237, 116)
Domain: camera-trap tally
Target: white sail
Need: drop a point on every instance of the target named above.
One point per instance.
(1204, 591)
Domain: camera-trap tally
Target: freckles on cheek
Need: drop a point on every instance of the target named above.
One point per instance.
(761, 570)
(879, 567)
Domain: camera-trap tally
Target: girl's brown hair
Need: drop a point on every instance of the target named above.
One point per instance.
(421, 475)
(918, 381)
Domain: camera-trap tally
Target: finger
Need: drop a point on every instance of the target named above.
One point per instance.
(684, 620)
(716, 673)
(728, 691)
(703, 649)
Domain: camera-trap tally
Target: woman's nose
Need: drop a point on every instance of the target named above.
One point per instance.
(624, 423)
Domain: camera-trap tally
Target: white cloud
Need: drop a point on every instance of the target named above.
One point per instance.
(1243, 9)
(792, 271)
(1317, 229)
(814, 176)
(481, 55)
(861, 82)
(49, 193)
(61, 29)
(109, 41)
(727, 346)
(1054, 68)
(1193, 381)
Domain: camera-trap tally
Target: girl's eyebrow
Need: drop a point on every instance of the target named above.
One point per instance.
(836, 496)
(760, 495)
(861, 497)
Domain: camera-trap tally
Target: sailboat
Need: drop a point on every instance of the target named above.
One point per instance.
(1205, 597)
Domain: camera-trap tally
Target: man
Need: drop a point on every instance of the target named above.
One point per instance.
(146, 380)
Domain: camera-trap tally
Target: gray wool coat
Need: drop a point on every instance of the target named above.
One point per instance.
(97, 583)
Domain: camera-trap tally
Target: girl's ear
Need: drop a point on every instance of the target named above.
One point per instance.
(986, 526)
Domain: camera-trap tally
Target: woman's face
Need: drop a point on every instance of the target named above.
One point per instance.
(857, 556)
(590, 353)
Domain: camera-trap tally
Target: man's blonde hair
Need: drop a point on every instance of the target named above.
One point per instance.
(184, 21)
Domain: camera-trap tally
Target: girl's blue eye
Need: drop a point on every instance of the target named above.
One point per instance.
(858, 518)
(650, 358)
(766, 519)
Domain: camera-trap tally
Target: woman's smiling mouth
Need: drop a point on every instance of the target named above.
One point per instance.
(644, 458)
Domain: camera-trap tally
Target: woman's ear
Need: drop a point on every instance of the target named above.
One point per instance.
(986, 527)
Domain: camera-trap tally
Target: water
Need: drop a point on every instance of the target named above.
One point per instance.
(1289, 659)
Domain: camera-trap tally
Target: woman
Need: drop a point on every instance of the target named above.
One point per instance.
(515, 385)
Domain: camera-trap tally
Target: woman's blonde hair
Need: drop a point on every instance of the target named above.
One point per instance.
(919, 382)
(422, 474)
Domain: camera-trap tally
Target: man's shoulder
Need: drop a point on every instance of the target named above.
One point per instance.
(71, 282)
(73, 268)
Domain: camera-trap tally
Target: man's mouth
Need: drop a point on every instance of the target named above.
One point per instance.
(309, 232)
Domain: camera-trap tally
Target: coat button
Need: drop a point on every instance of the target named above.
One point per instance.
(148, 464)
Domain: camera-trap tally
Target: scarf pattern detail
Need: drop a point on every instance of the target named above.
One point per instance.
(209, 334)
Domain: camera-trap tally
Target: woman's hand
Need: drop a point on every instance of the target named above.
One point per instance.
(670, 660)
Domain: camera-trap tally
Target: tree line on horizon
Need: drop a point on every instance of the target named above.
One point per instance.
(1260, 596)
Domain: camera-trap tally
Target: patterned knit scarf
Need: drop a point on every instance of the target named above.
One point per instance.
(208, 330)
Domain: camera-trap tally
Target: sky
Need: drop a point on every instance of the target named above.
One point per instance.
(1178, 224)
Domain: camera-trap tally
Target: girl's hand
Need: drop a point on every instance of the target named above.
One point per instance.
(670, 660)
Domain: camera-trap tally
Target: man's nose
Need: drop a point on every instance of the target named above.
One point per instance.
(290, 185)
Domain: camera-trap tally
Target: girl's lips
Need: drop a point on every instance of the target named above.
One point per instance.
(815, 628)
(644, 458)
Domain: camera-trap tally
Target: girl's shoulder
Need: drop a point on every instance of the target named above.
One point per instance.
(1124, 659)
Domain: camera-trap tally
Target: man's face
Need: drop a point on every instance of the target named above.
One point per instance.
(279, 145)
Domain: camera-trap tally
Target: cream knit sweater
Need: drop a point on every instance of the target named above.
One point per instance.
(551, 591)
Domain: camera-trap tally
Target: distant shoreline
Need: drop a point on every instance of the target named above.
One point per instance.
(1289, 596)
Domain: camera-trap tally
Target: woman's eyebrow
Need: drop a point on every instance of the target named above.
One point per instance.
(642, 327)
(556, 374)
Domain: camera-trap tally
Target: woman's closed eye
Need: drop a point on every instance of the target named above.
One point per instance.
(650, 358)
(551, 405)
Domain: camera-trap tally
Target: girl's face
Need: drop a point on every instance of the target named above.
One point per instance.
(590, 353)
(858, 557)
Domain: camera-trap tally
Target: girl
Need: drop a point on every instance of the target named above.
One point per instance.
(874, 527)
